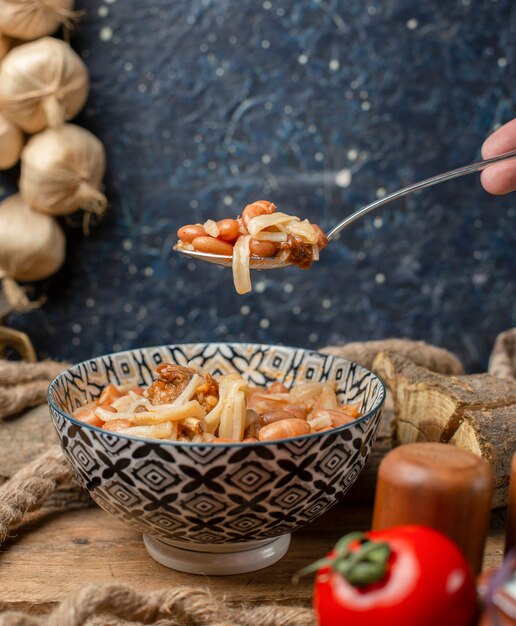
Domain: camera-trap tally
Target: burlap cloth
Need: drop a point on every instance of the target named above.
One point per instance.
(24, 385)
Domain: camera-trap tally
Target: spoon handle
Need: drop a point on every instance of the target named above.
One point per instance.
(435, 180)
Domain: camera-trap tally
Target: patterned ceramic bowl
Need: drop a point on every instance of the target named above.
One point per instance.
(209, 508)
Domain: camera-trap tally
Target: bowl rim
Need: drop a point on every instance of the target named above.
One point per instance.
(195, 444)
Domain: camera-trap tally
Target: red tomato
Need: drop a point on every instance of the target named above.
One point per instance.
(423, 580)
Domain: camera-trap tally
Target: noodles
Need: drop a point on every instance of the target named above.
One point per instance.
(230, 387)
(165, 413)
(187, 404)
(261, 232)
(160, 431)
(188, 392)
(233, 407)
(240, 265)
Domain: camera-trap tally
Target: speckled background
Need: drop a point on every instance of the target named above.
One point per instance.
(320, 106)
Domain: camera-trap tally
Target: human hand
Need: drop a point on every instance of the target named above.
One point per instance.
(501, 177)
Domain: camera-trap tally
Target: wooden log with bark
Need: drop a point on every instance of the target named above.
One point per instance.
(475, 412)
(432, 357)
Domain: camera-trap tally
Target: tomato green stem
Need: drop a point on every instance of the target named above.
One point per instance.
(342, 545)
(360, 567)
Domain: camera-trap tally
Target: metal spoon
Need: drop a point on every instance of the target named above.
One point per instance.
(274, 263)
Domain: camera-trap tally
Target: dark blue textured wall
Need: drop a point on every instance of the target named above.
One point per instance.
(320, 106)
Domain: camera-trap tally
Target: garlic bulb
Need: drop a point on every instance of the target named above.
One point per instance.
(11, 143)
(42, 83)
(30, 19)
(32, 247)
(62, 170)
(5, 45)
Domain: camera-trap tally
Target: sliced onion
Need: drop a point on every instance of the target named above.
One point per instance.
(85, 407)
(260, 222)
(305, 392)
(321, 421)
(327, 398)
(124, 403)
(303, 231)
(137, 401)
(266, 235)
(240, 264)
(211, 228)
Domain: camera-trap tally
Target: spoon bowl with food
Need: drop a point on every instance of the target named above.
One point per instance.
(263, 238)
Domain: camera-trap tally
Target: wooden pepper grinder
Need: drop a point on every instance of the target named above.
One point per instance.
(437, 485)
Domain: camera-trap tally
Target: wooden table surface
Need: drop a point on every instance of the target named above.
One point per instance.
(59, 551)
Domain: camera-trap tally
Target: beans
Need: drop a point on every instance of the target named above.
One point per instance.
(252, 431)
(296, 411)
(338, 418)
(229, 230)
(283, 429)
(120, 424)
(274, 416)
(189, 232)
(88, 417)
(260, 207)
(109, 395)
(341, 420)
(212, 246)
(262, 248)
(250, 440)
(251, 417)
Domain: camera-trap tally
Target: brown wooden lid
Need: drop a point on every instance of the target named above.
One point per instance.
(435, 466)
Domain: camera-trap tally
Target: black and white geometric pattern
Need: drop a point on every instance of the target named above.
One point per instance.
(217, 493)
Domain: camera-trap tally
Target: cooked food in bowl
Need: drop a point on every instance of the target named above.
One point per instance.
(215, 502)
(261, 231)
(186, 403)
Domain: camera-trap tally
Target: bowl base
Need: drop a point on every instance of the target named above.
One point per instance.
(215, 559)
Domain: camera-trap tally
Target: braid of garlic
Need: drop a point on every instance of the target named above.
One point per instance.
(54, 111)
(91, 199)
(17, 296)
